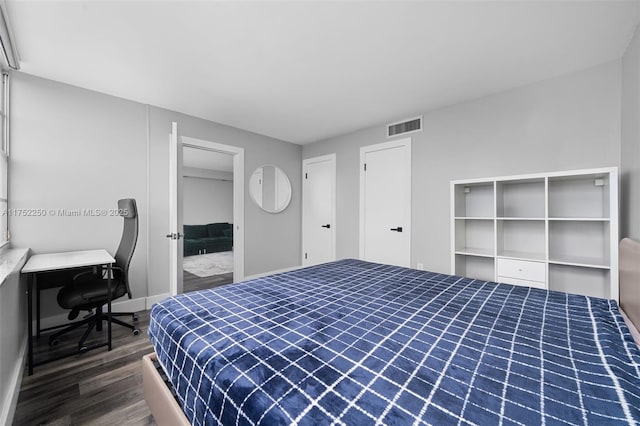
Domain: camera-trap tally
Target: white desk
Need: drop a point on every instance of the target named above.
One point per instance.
(59, 261)
(66, 260)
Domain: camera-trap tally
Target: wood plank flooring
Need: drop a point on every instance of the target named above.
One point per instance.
(99, 387)
(193, 282)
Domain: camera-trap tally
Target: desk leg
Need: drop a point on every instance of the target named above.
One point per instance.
(30, 280)
(37, 311)
(109, 304)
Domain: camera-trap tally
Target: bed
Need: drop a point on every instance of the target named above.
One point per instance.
(352, 342)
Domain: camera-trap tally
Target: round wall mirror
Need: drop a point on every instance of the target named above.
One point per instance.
(270, 188)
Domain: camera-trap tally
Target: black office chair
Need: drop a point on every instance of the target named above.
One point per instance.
(88, 290)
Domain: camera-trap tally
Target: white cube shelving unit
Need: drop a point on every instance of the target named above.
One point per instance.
(557, 231)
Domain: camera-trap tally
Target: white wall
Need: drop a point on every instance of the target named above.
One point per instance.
(569, 122)
(262, 230)
(630, 146)
(73, 148)
(207, 201)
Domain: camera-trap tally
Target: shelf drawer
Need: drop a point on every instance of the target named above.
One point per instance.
(527, 283)
(521, 269)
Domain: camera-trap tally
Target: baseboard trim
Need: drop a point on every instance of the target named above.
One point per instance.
(11, 399)
(278, 271)
(156, 298)
(129, 305)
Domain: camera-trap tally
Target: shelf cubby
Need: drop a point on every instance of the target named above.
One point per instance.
(474, 200)
(521, 198)
(475, 236)
(584, 243)
(574, 279)
(584, 196)
(521, 239)
(481, 268)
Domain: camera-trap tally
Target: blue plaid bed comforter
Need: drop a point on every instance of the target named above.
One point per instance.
(358, 343)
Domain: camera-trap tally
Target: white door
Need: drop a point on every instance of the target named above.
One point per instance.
(175, 212)
(319, 210)
(385, 203)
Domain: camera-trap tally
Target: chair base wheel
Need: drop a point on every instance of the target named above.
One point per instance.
(54, 342)
(83, 349)
(135, 318)
(136, 332)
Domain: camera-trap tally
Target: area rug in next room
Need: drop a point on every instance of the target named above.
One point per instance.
(206, 265)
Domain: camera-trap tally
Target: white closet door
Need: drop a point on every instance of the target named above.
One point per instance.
(385, 203)
(318, 210)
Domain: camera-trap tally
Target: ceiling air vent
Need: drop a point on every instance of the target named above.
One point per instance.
(412, 125)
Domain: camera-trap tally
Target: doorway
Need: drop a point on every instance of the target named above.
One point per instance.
(197, 159)
(385, 202)
(207, 206)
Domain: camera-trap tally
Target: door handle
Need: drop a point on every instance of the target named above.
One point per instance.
(328, 225)
(398, 229)
(174, 236)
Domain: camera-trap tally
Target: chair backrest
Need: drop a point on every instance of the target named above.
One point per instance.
(129, 211)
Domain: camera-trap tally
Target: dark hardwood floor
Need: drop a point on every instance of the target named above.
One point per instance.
(99, 387)
(193, 282)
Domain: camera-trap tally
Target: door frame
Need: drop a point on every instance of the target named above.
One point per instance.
(405, 142)
(238, 200)
(305, 162)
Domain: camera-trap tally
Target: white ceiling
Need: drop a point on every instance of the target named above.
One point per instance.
(305, 71)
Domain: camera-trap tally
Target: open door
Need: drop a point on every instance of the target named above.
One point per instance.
(175, 212)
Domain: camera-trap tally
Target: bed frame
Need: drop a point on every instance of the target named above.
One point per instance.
(163, 406)
(629, 267)
(166, 410)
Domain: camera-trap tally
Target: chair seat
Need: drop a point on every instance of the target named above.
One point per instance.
(88, 292)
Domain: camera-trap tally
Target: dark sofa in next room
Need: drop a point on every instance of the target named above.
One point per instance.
(210, 238)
